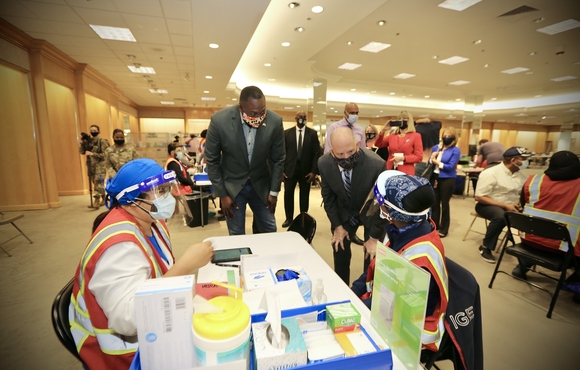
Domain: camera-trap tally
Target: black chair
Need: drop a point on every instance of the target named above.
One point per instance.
(60, 321)
(554, 261)
(305, 225)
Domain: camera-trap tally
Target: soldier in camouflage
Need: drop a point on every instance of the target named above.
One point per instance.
(118, 154)
(97, 170)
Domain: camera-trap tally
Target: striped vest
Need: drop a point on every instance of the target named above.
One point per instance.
(99, 346)
(554, 200)
(182, 189)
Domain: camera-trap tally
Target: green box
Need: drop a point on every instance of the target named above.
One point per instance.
(342, 317)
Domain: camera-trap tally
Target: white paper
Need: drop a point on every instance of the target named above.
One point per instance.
(202, 305)
(274, 317)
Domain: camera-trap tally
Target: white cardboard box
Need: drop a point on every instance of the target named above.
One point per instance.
(164, 310)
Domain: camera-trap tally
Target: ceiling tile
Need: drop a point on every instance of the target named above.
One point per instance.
(124, 47)
(145, 23)
(31, 25)
(152, 37)
(101, 17)
(53, 12)
(143, 7)
(176, 9)
(179, 27)
(56, 40)
(179, 40)
(185, 51)
(86, 42)
(98, 52)
(99, 5)
(71, 29)
(184, 60)
(14, 9)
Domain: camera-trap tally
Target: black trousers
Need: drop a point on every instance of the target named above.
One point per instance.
(289, 186)
(496, 223)
(342, 257)
(441, 214)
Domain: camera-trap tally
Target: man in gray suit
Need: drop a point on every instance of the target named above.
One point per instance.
(244, 152)
(348, 175)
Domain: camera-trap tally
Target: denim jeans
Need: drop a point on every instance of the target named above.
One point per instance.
(264, 219)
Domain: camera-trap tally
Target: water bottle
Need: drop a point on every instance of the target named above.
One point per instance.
(318, 296)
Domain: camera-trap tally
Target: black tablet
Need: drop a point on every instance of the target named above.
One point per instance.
(229, 255)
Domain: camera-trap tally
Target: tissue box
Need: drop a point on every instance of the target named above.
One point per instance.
(163, 310)
(342, 317)
(305, 285)
(267, 357)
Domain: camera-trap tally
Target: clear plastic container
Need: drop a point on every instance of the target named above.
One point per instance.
(318, 296)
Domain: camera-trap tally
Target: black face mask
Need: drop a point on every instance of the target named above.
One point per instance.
(404, 125)
(120, 142)
(348, 163)
(370, 135)
(448, 140)
(94, 134)
(301, 122)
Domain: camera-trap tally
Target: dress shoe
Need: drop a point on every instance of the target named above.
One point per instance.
(356, 240)
(286, 223)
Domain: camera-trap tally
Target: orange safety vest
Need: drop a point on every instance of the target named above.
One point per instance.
(427, 252)
(554, 200)
(99, 346)
(183, 189)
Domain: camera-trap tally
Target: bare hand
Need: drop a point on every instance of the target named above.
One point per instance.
(196, 256)
(398, 158)
(310, 177)
(272, 200)
(89, 153)
(284, 177)
(227, 204)
(338, 238)
(387, 126)
(370, 247)
(512, 208)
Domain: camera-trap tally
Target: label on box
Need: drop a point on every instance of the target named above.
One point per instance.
(342, 317)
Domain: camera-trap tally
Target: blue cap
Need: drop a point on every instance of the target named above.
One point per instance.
(132, 174)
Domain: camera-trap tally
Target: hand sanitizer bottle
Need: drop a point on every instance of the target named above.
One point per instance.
(318, 296)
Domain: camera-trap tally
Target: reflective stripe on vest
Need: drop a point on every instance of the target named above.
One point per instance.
(432, 253)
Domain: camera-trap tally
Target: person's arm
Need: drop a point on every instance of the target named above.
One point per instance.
(109, 164)
(453, 160)
(382, 140)
(212, 151)
(103, 145)
(329, 197)
(485, 187)
(174, 166)
(134, 154)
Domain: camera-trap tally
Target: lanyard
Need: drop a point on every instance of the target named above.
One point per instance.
(153, 241)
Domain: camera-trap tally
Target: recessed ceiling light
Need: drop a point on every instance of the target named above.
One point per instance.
(373, 92)
(297, 106)
(458, 5)
(317, 9)
(493, 99)
(349, 66)
(459, 82)
(293, 5)
(427, 96)
(234, 99)
(374, 47)
(285, 44)
(380, 111)
(453, 60)
(391, 93)
(511, 71)
(532, 53)
(271, 79)
(206, 91)
(317, 83)
(267, 64)
(167, 102)
(299, 29)
(403, 76)
(538, 96)
(564, 78)
(520, 115)
(458, 99)
(288, 108)
(349, 43)
(435, 57)
(113, 33)
(158, 91)
(140, 69)
(209, 77)
(214, 46)
(559, 27)
(477, 42)
(485, 65)
(381, 23)
(352, 89)
(208, 98)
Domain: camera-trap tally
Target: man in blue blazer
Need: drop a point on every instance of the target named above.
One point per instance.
(301, 165)
(245, 155)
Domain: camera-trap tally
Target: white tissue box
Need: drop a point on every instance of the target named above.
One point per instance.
(163, 311)
(259, 279)
(267, 357)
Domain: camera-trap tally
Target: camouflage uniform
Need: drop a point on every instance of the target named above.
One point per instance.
(97, 170)
(116, 157)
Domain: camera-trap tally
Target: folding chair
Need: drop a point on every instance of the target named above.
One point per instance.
(305, 225)
(60, 321)
(542, 227)
(10, 220)
(475, 217)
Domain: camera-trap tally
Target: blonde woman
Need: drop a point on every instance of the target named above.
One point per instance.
(404, 144)
(444, 157)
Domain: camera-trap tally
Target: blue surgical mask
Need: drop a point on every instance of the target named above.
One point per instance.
(524, 165)
(163, 206)
(352, 118)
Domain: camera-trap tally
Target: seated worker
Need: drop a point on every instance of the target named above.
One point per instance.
(405, 201)
(554, 195)
(129, 245)
(489, 152)
(174, 164)
(498, 191)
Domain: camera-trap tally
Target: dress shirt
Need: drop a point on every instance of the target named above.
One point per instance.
(250, 136)
(500, 184)
(359, 133)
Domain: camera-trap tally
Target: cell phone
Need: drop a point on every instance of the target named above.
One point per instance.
(396, 123)
(229, 255)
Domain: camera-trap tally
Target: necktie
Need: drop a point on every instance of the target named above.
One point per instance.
(299, 143)
(347, 186)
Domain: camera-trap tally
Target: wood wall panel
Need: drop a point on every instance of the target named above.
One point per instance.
(63, 128)
(98, 114)
(20, 179)
(58, 73)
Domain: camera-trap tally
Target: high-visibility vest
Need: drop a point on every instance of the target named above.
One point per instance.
(183, 189)
(554, 200)
(428, 252)
(99, 346)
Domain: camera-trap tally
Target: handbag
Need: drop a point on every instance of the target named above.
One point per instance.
(428, 171)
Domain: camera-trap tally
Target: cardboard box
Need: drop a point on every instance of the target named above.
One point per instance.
(268, 357)
(164, 310)
(226, 275)
(342, 317)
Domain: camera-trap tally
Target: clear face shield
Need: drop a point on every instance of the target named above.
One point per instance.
(162, 192)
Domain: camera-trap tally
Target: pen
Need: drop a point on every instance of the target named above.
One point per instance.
(226, 265)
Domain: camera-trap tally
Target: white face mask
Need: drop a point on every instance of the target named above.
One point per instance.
(164, 207)
(179, 155)
(524, 165)
(352, 118)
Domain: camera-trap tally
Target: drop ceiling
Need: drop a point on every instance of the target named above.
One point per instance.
(173, 37)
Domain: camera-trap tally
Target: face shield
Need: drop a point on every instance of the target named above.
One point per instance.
(162, 193)
(375, 198)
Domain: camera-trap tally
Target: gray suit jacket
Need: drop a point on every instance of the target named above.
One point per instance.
(338, 206)
(227, 156)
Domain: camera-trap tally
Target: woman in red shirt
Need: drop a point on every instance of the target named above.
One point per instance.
(404, 144)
